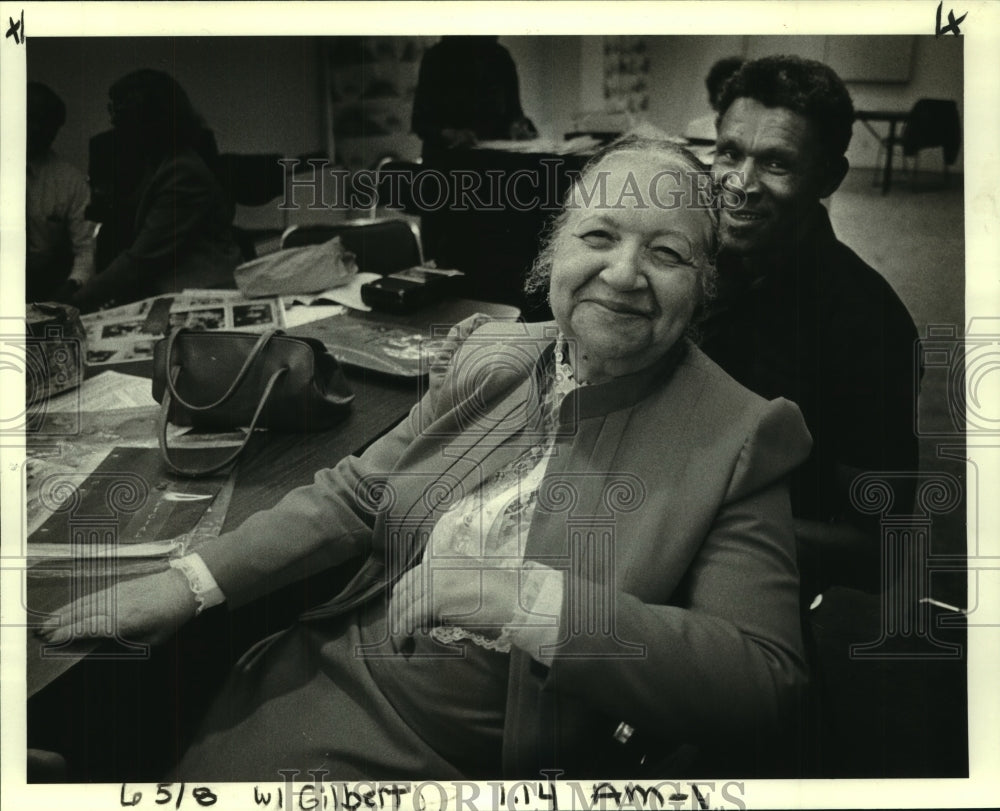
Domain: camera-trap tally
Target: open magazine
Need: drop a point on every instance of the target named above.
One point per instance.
(128, 333)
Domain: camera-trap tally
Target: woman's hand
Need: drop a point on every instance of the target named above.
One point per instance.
(476, 593)
(147, 609)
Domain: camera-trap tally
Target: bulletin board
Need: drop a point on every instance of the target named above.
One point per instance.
(369, 85)
(626, 74)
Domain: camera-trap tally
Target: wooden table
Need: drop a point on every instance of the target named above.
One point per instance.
(118, 713)
(272, 465)
(892, 118)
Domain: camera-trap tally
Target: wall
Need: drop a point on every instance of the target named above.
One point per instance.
(936, 73)
(257, 94)
(264, 94)
(679, 65)
(549, 73)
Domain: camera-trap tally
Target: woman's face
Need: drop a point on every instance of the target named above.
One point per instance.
(627, 264)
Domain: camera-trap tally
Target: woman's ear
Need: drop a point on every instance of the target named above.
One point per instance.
(836, 171)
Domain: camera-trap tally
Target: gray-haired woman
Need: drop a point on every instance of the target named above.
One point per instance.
(582, 531)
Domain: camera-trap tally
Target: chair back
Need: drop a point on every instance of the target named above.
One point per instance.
(933, 122)
(252, 180)
(381, 246)
(394, 185)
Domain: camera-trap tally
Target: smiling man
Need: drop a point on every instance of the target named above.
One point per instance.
(800, 315)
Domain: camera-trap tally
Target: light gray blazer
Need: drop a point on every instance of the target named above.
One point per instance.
(665, 502)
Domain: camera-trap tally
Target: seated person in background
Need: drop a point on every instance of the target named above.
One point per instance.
(482, 524)
(799, 315)
(468, 91)
(58, 236)
(701, 130)
(176, 218)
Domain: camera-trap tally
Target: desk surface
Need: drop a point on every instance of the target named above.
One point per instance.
(272, 465)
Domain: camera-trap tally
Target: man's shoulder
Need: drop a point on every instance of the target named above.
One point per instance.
(841, 261)
(848, 282)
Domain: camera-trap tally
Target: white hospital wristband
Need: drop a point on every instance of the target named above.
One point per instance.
(206, 591)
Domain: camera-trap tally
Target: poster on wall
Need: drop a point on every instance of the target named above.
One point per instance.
(626, 74)
(370, 82)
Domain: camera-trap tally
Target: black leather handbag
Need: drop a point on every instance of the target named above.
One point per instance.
(226, 380)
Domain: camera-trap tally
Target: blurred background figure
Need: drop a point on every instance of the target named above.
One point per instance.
(166, 220)
(468, 92)
(702, 129)
(59, 239)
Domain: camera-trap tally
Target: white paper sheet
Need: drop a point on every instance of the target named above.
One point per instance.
(348, 294)
(108, 391)
(301, 314)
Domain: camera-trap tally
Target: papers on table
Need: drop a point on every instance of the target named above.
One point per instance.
(126, 500)
(305, 314)
(44, 471)
(108, 391)
(127, 333)
(580, 145)
(384, 347)
(305, 307)
(644, 129)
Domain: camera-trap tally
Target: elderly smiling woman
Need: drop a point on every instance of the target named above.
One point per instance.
(580, 532)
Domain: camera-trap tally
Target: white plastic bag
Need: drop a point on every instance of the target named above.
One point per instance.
(308, 269)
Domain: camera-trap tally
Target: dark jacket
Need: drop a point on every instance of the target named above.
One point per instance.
(466, 83)
(183, 237)
(825, 330)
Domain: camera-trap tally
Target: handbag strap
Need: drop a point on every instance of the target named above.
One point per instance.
(204, 471)
(257, 348)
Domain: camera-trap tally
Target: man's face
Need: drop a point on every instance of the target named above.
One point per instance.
(776, 158)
